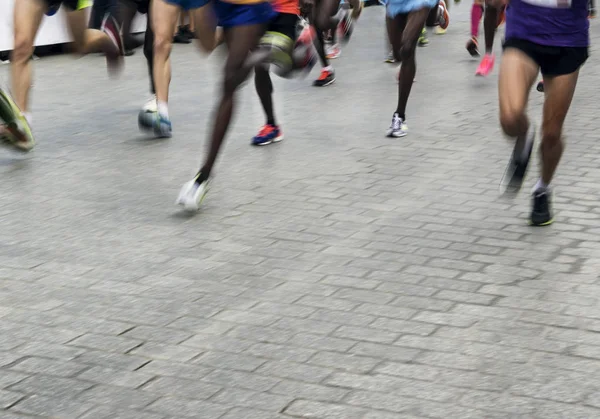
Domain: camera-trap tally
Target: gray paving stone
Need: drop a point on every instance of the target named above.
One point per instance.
(339, 274)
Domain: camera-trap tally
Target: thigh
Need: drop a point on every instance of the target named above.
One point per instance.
(558, 91)
(164, 18)
(414, 26)
(518, 72)
(28, 16)
(395, 27)
(286, 24)
(78, 24)
(205, 24)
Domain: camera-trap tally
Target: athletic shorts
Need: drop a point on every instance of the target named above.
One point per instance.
(71, 5)
(403, 7)
(231, 14)
(553, 61)
(188, 4)
(285, 23)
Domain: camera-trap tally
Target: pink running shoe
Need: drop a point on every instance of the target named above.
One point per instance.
(486, 65)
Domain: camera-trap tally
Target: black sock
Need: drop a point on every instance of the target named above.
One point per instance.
(271, 121)
(202, 176)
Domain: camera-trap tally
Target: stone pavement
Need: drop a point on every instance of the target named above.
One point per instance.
(339, 274)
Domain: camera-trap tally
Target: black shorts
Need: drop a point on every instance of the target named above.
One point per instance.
(285, 23)
(553, 61)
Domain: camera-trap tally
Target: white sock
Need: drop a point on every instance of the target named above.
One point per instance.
(540, 185)
(28, 117)
(328, 68)
(163, 108)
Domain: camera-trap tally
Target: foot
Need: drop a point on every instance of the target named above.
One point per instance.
(423, 40)
(486, 65)
(326, 78)
(541, 212)
(398, 127)
(16, 131)
(112, 29)
(193, 193)
(268, 134)
(390, 58)
(473, 47)
(516, 170)
(333, 52)
(540, 86)
(443, 17)
(153, 121)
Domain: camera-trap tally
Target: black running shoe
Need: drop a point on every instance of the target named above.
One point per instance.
(325, 78)
(517, 166)
(540, 86)
(541, 214)
(181, 37)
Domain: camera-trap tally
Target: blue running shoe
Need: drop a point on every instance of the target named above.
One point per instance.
(268, 134)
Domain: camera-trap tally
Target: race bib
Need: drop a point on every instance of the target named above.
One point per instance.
(553, 4)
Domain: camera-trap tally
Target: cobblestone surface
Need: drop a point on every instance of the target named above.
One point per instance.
(339, 274)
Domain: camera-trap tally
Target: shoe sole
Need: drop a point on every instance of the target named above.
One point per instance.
(274, 140)
(324, 85)
(544, 224)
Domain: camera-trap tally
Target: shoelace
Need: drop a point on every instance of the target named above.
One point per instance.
(396, 123)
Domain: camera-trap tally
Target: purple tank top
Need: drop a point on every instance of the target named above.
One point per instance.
(557, 23)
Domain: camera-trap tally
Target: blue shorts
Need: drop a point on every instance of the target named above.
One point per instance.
(402, 7)
(188, 4)
(230, 14)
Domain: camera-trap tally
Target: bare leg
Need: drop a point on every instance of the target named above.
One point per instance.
(27, 18)
(264, 88)
(240, 41)
(164, 20)
(559, 92)
(88, 40)
(518, 72)
(408, 28)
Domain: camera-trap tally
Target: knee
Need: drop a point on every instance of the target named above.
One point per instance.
(551, 135)
(511, 122)
(407, 52)
(322, 22)
(230, 82)
(162, 45)
(23, 49)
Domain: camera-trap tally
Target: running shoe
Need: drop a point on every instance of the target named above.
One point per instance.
(181, 37)
(540, 86)
(541, 212)
(268, 134)
(390, 58)
(155, 122)
(333, 51)
(398, 128)
(423, 40)
(345, 26)
(193, 193)
(325, 79)
(112, 29)
(486, 65)
(592, 13)
(443, 18)
(516, 170)
(16, 131)
(473, 47)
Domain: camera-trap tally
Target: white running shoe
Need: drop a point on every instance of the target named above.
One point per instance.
(192, 194)
(398, 128)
